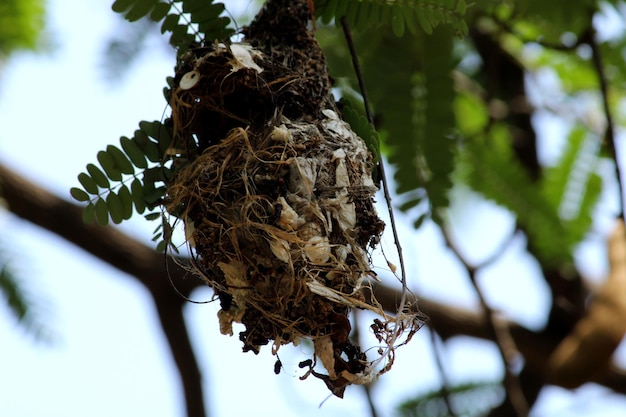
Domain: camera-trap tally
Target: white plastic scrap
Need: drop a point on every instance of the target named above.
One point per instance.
(189, 80)
(341, 173)
(289, 219)
(317, 249)
(335, 124)
(280, 249)
(302, 176)
(243, 57)
(281, 134)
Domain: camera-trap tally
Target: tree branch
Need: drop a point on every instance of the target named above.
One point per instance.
(59, 216)
(63, 218)
(497, 333)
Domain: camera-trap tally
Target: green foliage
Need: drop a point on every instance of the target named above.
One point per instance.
(571, 186)
(434, 118)
(468, 400)
(411, 90)
(492, 170)
(413, 94)
(133, 176)
(21, 24)
(400, 15)
(393, 99)
(21, 302)
(114, 190)
(489, 166)
(354, 114)
(426, 125)
(188, 21)
(550, 18)
(575, 73)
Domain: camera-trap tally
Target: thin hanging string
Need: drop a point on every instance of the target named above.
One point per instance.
(370, 118)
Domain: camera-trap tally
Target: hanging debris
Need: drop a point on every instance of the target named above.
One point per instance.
(276, 195)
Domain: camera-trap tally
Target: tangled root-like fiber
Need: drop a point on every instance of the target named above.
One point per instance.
(276, 195)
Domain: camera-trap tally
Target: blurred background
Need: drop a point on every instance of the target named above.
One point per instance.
(90, 341)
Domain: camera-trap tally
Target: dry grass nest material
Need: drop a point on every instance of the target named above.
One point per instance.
(278, 212)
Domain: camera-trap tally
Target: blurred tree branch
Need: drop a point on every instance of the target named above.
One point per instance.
(38, 206)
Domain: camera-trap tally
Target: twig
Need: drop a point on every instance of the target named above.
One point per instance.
(499, 334)
(175, 329)
(445, 383)
(366, 387)
(590, 39)
(370, 118)
(499, 251)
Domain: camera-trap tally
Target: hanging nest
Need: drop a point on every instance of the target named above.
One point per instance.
(276, 195)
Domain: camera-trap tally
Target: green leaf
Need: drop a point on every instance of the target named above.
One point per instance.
(116, 210)
(78, 194)
(89, 213)
(190, 6)
(413, 94)
(149, 148)
(170, 23)
(153, 216)
(341, 8)
(88, 183)
(98, 176)
(121, 161)
(152, 197)
(160, 11)
(140, 9)
(409, 204)
(420, 221)
(127, 202)
(161, 246)
(397, 22)
(181, 36)
(152, 129)
(423, 21)
(21, 302)
(435, 138)
(135, 154)
(120, 6)
(556, 179)
(102, 212)
(109, 166)
(216, 29)
(491, 168)
(355, 116)
(138, 197)
(470, 399)
(471, 114)
(571, 186)
(160, 133)
(368, 14)
(362, 15)
(412, 22)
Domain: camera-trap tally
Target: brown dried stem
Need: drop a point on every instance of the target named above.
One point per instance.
(38, 206)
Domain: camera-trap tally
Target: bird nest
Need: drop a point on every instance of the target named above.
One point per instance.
(276, 195)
